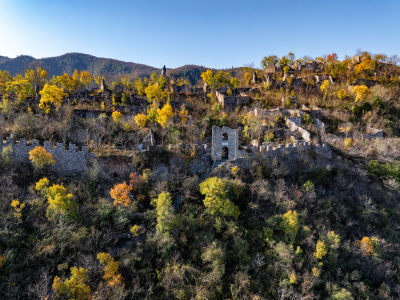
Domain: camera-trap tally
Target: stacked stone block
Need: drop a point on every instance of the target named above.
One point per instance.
(68, 161)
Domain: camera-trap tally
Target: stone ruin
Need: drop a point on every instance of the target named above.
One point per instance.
(69, 161)
(225, 144)
(164, 71)
(230, 102)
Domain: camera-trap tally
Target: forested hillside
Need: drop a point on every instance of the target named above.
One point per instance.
(275, 183)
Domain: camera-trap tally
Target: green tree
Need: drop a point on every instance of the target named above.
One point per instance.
(164, 213)
(217, 201)
(269, 60)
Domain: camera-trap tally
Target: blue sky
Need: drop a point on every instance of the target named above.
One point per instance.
(209, 33)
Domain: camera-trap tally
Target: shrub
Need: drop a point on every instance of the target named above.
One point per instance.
(306, 119)
(366, 245)
(42, 185)
(269, 137)
(60, 202)
(111, 274)
(333, 240)
(74, 287)
(347, 143)
(384, 170)
(342, 94)
(290, 224)
(7, 154)
(316, 272)
(135, 230)
(320, 250)
(325, 86)
(164, 115)
(2, 260)
(292, 278)
(235, 170)
(164, 213)
(362, 92)
(18, 207)
(116, 116)
(141, 120)
(40, 158)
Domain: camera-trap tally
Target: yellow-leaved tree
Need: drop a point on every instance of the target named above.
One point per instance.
(85, 78)
(164, 115)
(40, 158)
(290, 224)
(51, 95)
(111, 275)
(141, 120)
(362, 92)
(60, 201)
(74, 287)
(120, 194)
(183, 114)
(164, 213)
(320, 250)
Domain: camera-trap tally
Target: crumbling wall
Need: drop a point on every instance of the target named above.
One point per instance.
(292, 124)
(269, 151)
(231, 102)
(231, 143)
(68, 161)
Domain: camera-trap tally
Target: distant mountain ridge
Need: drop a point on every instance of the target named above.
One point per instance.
(67, 63)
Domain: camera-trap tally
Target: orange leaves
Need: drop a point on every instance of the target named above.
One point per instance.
(331, 58)
(120, 194)
(366, 245)
(111, 274)
(40, 158)
(367, 66)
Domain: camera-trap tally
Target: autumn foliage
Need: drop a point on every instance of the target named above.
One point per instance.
(164, 115)
(51, 95)
(40, 158)
(111, 274)
(74, 287)
(120, 194)
(366, 245)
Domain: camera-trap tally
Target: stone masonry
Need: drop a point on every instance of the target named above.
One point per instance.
(69, 161)
(225, 144)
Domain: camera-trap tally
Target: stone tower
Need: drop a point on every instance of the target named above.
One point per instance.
(225, 144)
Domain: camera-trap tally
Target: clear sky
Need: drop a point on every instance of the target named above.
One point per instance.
(211, 33)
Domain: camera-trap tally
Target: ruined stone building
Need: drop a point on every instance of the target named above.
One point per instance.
(230, 102)
(225, 144)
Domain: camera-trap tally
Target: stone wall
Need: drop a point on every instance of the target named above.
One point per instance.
(293, 125)
(268, 150)
(231, 102)
(68, 161)
(225, 137)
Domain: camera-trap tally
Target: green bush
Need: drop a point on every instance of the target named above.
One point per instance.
(384, 170)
